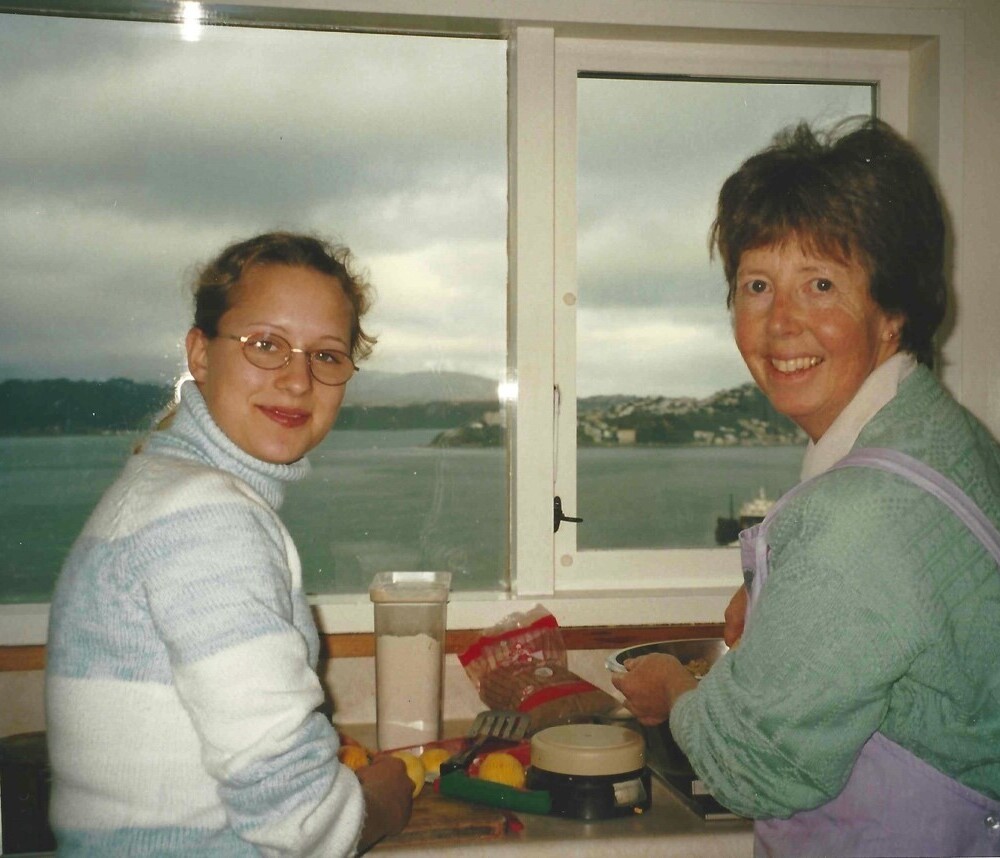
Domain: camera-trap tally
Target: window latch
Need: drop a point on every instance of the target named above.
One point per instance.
(558, 517)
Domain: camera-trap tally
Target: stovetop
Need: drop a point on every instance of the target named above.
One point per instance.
(693, 793)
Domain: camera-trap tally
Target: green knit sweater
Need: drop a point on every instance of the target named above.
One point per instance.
(881, 612)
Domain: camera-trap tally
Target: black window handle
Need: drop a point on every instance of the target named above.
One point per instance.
(558, 517)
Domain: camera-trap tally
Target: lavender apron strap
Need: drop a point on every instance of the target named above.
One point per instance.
(753, 548)
(932, 482)
(753, 541)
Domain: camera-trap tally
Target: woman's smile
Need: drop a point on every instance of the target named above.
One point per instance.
(290, 417)
(790, 365)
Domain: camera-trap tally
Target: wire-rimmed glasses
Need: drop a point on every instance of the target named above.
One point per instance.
(269, 351)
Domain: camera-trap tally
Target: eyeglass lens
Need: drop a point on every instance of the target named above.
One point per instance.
(269, 351)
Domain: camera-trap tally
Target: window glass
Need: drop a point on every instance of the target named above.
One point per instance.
(132, 151)
(672, 435)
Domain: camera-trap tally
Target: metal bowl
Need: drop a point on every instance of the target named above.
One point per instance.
(664, 753)
(686, 650)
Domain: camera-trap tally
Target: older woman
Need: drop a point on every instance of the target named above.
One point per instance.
(860, 714)
(181, 690)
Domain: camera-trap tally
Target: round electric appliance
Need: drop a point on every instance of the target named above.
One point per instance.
(591, 771)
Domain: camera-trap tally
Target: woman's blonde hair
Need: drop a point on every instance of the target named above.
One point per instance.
(216, 280)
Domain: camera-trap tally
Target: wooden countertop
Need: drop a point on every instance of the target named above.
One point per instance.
(669, 828)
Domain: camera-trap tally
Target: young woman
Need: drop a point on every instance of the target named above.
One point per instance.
(181, 691)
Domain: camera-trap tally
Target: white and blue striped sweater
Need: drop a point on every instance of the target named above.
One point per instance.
(181, 690)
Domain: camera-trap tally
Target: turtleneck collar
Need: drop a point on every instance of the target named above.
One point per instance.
(874, 393)
(193, 434)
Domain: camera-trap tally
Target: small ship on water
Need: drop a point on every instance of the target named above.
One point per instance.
(727, 529)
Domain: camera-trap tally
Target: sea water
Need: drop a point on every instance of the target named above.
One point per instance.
(386, 499)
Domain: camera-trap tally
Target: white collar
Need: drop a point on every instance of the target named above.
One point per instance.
(875, 392)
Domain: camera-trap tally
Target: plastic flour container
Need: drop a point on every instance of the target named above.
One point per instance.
(410, 620)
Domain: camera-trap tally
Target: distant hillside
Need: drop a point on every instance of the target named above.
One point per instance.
(739, 415)
(58, 406)
(388, 388)
(465, 407)
(418, 415)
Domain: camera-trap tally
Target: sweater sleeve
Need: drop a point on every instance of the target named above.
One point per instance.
(776, 725)
(221, 602)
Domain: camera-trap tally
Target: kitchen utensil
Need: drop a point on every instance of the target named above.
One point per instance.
(663, 755)
(494, 724)
(685, 651)
(591, 771)
(457, 784)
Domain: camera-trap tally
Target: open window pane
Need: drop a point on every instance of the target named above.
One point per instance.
(671, 433)
(131, 151)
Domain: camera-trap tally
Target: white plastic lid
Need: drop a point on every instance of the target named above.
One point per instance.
(588, 749)
(410, 587)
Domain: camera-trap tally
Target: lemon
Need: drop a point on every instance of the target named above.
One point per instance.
(432, 759)
(353, 756)
(502, 768)
(414, 769)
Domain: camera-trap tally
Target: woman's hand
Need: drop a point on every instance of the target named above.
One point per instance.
(388, 796)
(736, 614)
(652, 686)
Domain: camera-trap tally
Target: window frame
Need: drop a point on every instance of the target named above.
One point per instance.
(916, 74)
(885, 69)
(932, 41)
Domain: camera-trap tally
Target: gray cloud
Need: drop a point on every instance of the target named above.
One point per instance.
(127, 156)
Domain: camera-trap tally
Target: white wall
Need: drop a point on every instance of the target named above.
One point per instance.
(978, 244)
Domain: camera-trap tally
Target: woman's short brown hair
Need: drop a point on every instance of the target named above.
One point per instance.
(861, 192)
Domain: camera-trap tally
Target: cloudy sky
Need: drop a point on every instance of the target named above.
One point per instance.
(128, 155)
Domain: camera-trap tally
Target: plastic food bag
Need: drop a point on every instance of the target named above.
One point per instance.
(521, 664)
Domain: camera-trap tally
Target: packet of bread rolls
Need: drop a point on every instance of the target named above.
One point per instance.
(521, 664)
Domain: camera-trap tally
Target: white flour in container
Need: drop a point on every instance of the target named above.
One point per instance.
(408, 690)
